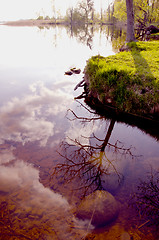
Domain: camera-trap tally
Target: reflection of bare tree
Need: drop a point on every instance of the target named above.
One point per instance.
(89, 162)
(83, 32)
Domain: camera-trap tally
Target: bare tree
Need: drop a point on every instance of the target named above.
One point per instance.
(87, 7)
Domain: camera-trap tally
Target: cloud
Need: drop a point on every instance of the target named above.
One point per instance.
(31, 118)
(6, 156)
(35, 117)
(22, 175)
(38, 208)
(82, 133)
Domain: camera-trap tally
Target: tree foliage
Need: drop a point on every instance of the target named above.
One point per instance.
(120, 10)
(144, 10)
(83, 12)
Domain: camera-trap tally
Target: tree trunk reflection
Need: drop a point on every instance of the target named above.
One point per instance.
(89, 162)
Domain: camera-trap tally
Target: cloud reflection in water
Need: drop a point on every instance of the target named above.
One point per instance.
(31, 118)
(34, 210)
(28, 208)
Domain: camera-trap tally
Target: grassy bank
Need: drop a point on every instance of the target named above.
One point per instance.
(128, 80)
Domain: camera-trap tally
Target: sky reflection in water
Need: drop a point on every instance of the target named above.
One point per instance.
(35, 96)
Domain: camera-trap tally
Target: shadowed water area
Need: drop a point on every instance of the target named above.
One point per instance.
(55, 150)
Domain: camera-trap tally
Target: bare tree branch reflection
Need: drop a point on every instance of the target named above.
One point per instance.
(146, 199)
(83, 32)
(82, 119)
(89, 162)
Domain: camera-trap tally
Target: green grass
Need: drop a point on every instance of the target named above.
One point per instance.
(130, 78)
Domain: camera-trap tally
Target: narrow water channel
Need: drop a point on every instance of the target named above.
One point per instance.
(50, 143)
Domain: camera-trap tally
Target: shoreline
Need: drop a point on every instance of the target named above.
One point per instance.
(44, 22)
(31, 23)
(117, 84)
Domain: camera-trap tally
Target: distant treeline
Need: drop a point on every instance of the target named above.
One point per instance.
(145, 12)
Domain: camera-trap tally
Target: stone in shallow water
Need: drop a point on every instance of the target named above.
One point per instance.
(100, 208)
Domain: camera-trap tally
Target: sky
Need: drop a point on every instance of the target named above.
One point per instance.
(26, 9)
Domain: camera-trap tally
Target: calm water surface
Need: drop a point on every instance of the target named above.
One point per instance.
(43, 126)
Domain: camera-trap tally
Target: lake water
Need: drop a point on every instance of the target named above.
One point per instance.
(46, 136)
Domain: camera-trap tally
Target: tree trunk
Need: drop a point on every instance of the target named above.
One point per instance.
(130, 21)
